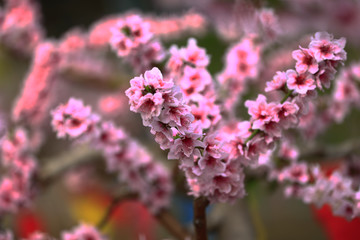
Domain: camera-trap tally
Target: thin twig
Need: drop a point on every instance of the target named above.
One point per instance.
(172, 225)
(200, 204)
(113, 205)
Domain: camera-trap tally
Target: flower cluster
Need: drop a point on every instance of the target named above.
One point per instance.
(315, 68)
(123, 155)
(16, 186)
(208, 169)
(213, 162)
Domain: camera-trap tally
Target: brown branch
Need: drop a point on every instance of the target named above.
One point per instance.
(113, 205)
(172, 225)
(200, 204)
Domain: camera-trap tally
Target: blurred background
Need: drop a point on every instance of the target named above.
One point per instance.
(265, 213)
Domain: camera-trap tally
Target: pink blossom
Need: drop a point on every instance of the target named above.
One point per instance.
(197, 78)
(253, 148)
(146, 93)
(129, 33)
(194, 54)
(278, 82)
(346, 90)
(175, 62)
(300, 83)
(261, 112)
(242, 60)
(154, 79)
(325, 47)
(146, 56)
(108, 137)
(201, 113)
(305, 61)
(243, 129)
(296, 172)
(163, 134)
(287, 113)
(185, 147)
(325, 75)
(72, 118)
(228, 186)
(273, 129)
(211, 165)
(178, 117)
(288, 151)
(235, 147)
